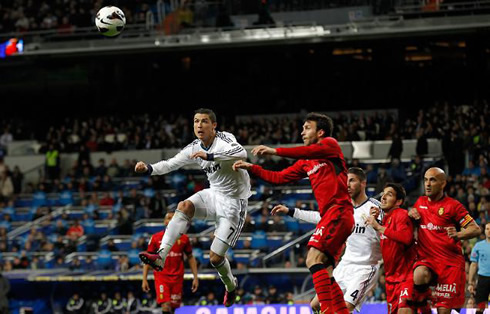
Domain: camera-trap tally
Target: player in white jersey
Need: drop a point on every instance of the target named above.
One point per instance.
(225, 201)
(358, 270)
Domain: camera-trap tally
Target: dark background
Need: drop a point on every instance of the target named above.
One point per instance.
(383, 73)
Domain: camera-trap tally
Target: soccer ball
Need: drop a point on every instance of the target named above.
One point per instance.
(110, 21)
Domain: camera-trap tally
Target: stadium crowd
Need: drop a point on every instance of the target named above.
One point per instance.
(66, 16)
(101, 194)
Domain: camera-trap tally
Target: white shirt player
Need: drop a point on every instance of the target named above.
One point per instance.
(358, 271)
(362, 247)
(222, 153)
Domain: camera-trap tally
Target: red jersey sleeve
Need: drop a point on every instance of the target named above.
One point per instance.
(404, 229)
(460, 214)
(327, 148)
(153, 245)
(292, 173)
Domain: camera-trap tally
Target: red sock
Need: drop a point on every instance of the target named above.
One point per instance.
(338, 302)
(321, 281)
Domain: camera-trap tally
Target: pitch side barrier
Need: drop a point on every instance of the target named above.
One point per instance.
(371, 308)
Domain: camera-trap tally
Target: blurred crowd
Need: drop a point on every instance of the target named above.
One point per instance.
(65, 16)
(462, 125)
(99, 191)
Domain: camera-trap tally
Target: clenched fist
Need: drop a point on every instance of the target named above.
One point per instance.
(140, 167)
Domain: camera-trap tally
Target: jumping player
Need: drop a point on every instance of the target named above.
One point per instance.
(225, 201)
(322, 161)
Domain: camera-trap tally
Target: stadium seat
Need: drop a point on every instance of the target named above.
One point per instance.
(259, 240)
(104, 259)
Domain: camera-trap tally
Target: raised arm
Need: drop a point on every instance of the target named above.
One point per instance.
(328, 148)
(310, 216)
(165, 166)
(290, 174)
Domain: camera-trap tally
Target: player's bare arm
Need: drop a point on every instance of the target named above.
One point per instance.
(144, 284)
(193, 266)
(471, 277)
(140, 167)
(470, 231)
(240, 164)
(279, 209)
(263, 150)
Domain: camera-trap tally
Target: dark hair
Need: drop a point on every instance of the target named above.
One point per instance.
(209, 112)
(399, 190)
(358, 172)
(323, 122)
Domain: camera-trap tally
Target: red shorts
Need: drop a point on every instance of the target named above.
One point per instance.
(450, 285)
(397, 295)
(332, 231)
(169, 291)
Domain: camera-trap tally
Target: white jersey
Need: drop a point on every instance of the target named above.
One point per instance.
(224, 151)
(362, 247)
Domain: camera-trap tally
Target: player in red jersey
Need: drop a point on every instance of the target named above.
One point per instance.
(322, 161)
(397, 246)
(440, 260)
(169, 282)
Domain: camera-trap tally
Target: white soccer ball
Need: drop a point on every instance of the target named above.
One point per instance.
(110, 21)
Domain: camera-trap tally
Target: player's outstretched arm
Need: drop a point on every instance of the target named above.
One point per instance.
(262, 150)
(304, 215)
(471, 230)
(172, 164)
(241, 164)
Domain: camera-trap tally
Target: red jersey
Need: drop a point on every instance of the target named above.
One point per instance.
(397, 245)
(433, 242)
(324, 164)
(174, 263)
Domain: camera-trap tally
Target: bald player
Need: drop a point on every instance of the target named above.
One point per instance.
(442, 223)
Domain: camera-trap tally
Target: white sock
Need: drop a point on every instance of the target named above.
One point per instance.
(224, 271)
(175, 229)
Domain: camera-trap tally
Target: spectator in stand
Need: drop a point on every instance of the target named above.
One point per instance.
(101, 169)
(113, 169)
(258, 295)
(75, 229)
(383, 178)
(6, 186)
(111, 246)
(471, 169)
(396, 147)
(106, 200)
(52, 165)
(208, 300)
(5, 139)
(273, 296)
(89, 264)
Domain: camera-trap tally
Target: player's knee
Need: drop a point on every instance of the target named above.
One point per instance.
(315, 305)
(317, 257)
(349, 306)
(421, 275)
(187, 208)
(313, 257)
(215, 259)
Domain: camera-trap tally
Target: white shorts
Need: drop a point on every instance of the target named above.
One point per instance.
(355, 281)
(228, 213)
